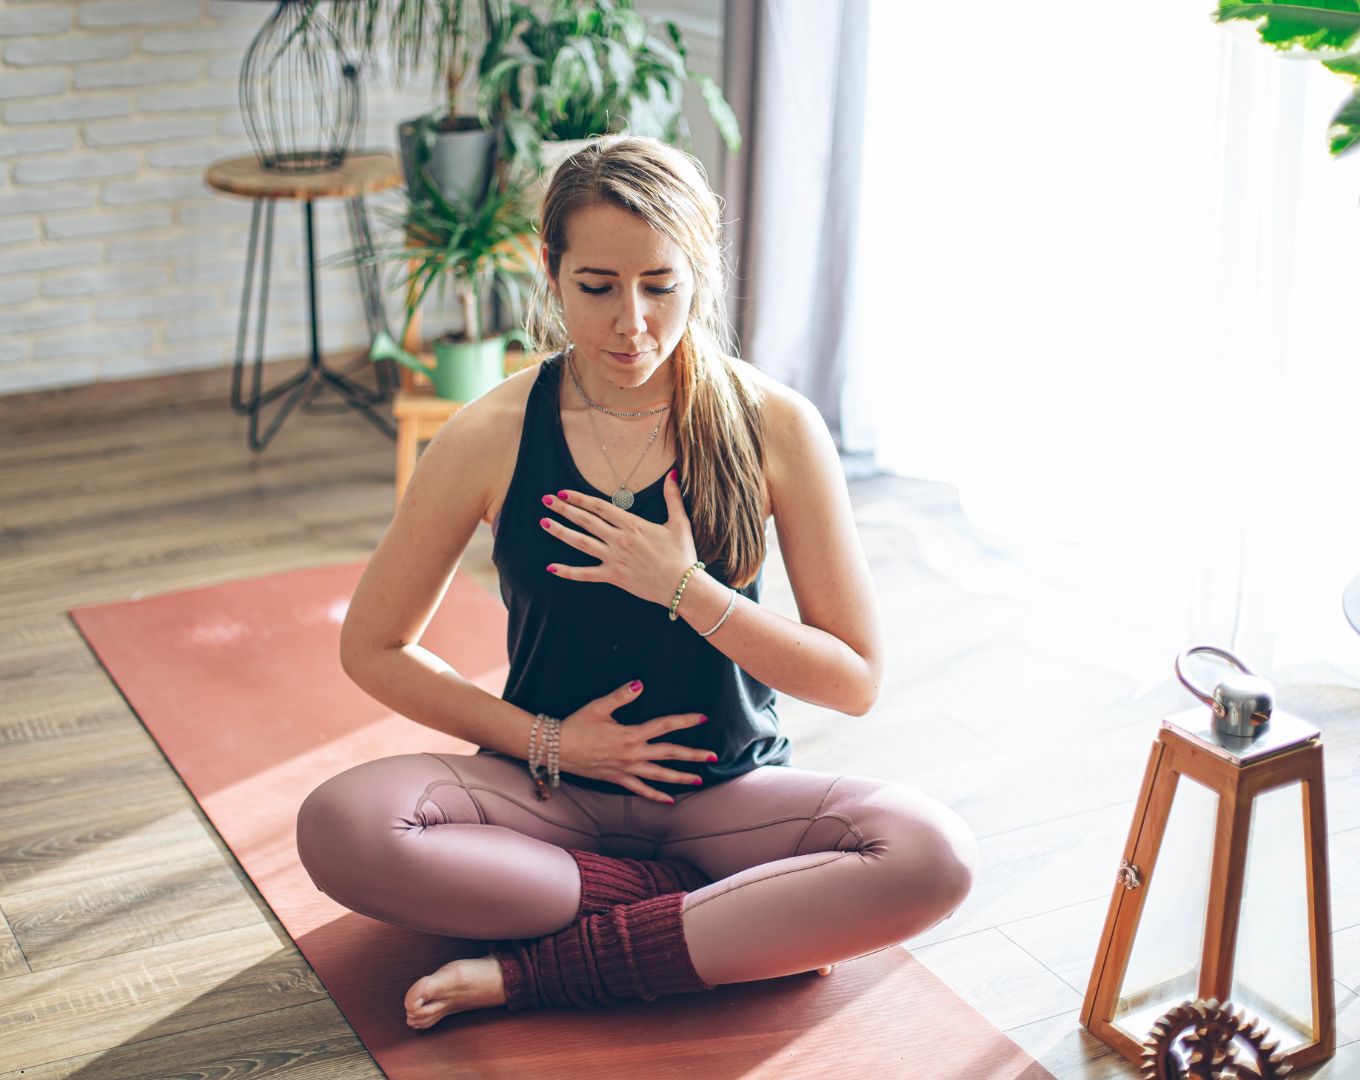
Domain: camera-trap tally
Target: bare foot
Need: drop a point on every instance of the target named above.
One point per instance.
(460, 985)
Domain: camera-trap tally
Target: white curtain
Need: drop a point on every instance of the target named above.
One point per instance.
(1108, 268)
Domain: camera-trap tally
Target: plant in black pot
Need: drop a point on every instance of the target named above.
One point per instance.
(474, 249)
(451, 37)
(563, 71)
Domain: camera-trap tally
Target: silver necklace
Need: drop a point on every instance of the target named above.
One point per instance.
(623, 498)
(571, 370)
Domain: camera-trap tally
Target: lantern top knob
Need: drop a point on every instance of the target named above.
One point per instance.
(1242, 701)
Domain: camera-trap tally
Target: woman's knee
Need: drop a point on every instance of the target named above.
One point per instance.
(931, 856)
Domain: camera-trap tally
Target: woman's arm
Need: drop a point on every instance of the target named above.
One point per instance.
(834, 656)
(466, 463)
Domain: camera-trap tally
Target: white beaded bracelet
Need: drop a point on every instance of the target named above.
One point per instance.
(730, 605)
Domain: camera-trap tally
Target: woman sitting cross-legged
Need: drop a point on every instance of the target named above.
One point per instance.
(631, 826)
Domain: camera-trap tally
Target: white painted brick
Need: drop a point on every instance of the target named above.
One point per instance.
(36, 141)
(101, 224)
(50, 257)
(32, 84)
(123, 132)
(51, 20)
(220, 326)
(189, 155)
(231, 11)
(137, 12)
(97, 342)
(103, 281)
(142, 307)
(137, 73)
(67, 49)
(37, 200)
(233, 39)
(16, 232)
(45, 376)
(155, 189)
(18, 291)
(229, 273)
(73, 108)
(178, 246)
(203, 96)
(48, 318)
(225, 67)
(224, 209)
(76, 167)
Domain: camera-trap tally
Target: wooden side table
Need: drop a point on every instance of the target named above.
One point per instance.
(359, 175)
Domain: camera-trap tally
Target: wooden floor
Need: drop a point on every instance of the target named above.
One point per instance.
(132, 945)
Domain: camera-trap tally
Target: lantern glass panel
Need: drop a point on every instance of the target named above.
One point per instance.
(1272, 972)
(1168, 944)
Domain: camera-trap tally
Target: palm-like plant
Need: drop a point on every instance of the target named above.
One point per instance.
(1324, 30)
(570, 69)
(470, 248)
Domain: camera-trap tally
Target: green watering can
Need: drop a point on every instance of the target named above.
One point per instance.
(463, 370)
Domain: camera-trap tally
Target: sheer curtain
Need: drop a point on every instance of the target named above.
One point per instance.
(1107, 270)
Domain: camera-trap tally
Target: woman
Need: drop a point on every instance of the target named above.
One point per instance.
(665, 845)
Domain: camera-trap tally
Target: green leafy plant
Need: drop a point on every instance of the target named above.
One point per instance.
(470, 248)
(1325, 30)
(446, 34)
(570, 69)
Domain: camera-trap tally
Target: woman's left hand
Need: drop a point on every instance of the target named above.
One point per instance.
(637, 555)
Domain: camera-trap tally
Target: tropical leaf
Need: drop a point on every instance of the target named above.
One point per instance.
(1311, 25)
(724, 119)
(1344, 132)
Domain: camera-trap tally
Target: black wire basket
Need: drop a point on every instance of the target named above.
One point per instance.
(300, 95)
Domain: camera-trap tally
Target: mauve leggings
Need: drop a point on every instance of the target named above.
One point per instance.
(808, 868)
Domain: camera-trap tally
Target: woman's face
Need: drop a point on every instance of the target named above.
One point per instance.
(625, 291)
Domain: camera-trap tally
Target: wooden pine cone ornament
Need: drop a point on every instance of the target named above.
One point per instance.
(1194, 1041)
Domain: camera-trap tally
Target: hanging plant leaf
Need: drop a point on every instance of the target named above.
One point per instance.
(723, 117)
(1310, 25)
(1344, 132)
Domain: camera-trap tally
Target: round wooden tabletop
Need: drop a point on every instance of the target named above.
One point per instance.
(361, 173)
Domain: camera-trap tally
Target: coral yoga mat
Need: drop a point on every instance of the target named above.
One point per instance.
(241, 686)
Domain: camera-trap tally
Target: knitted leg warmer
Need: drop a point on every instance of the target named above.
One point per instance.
(607, 880)
(630, 951)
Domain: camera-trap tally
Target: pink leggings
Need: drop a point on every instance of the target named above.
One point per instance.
(808, 868)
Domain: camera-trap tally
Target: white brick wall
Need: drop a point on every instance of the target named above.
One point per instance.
(116, 260)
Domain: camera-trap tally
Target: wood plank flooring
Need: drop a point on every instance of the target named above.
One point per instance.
(131, 944)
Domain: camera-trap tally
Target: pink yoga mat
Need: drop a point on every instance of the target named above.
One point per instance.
(241, 686)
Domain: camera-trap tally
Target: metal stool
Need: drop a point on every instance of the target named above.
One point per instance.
(359, 175)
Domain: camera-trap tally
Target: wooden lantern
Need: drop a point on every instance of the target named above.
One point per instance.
(1223, 889)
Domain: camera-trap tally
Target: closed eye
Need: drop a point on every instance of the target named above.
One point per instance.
(600, 290)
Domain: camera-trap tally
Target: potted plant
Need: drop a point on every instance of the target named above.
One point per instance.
(1306, 29)
(563, 71)
(474, 249)
(458, 148)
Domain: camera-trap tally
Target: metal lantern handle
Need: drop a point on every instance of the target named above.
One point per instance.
(1241, 705)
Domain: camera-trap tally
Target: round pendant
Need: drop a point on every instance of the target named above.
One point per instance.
(623, 498)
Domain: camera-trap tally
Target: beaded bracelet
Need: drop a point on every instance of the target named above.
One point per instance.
(545, 775)
(680, 589)
(730, 605)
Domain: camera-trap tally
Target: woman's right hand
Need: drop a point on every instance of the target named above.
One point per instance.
(596, 745)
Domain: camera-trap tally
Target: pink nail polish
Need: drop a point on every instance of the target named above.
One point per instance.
(563, 496)
(703, 719)
(697, 780)
(635, 686)
(675, 474)
(547, 500)
(670, 802)
(552, 569)
(544, 522)
(712, 757)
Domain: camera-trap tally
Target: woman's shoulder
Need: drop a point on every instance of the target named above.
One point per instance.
(783, 409)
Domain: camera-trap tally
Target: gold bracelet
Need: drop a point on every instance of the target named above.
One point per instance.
(679, 589)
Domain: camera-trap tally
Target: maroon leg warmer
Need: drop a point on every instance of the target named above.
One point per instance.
(607, 881)
(630, 951)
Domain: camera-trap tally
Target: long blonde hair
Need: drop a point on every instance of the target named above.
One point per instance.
(715, 404)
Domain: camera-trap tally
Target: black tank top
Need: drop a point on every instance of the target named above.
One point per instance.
(573, 641)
